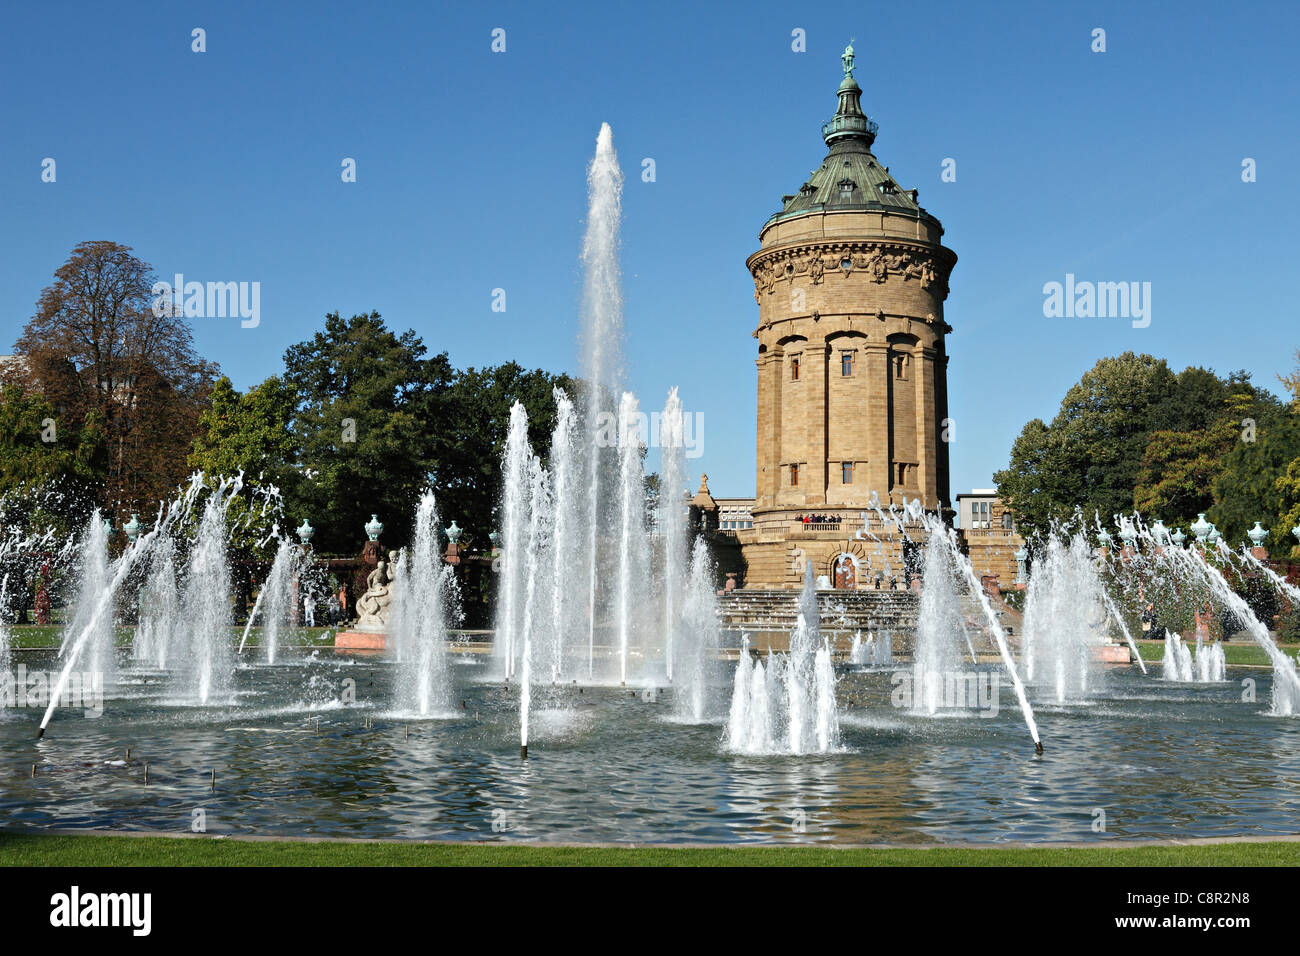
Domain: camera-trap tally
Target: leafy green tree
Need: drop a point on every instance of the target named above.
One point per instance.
(1090, 454)
(35, 452)
(250, 433)
(1247, 488)
(370, 410)
(97, 345)
(471, 447)
(1178, 471)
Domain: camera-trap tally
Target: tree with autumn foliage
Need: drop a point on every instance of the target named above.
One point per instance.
(97, 351)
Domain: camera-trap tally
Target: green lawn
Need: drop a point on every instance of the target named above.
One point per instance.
(1240, 652)
(79, 850)
(32, 636)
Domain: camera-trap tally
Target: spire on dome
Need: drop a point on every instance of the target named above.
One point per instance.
(849, 122)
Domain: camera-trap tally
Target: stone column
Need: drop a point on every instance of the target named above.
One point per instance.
(768, 471)
(875, 367)
(927, 435)
(815, 422)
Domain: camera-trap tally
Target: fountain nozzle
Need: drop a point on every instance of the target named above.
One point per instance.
(40, 732)
(523, 751)
(1038, 746)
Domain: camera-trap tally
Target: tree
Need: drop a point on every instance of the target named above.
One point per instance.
(1180, 466)
(1247, 487)
(369, 409)
(34, 455)
(470, 448)
(249, 433)
(1089, 456)
(97, 346)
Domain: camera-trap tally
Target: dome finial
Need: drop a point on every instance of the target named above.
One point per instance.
(849, 122)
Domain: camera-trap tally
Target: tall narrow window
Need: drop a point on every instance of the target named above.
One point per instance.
(846, 364)
(847, 474)
(794, 368)
(902, 474)
(794, 475)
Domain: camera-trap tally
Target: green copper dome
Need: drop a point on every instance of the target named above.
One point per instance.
(850, 177)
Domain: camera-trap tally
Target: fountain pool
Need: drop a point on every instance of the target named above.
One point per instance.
(611, 764)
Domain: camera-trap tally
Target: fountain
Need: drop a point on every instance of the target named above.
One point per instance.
(514, 529)
(787, 707)
(594, 583)
(4, 625)
(1211, 664)
(1190, 565)
(671, 526)
(160, 607)
(206, 656)
(699, 638)
(88, 616)
(1065, 619)
(567, 537)
(1176, 664)
(633, 566)
(936, 655)
(935, 527)
(424, 596)
(278, 595)
(602, 337)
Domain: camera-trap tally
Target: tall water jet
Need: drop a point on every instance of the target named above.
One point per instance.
(423, 594)
(1065, 617)
(602, 299)
(100, 656)
(1191, 564)
(633, 545)
(160, 607)
(700, 636)
(672, 525)
(208, 663)
(788, 706)
(602, 338)
(537, 563)
(568, 534)
(278, 601)
(936, 655)
(1176, 664)
(936, 527)
(4, 625)
(76, 645)
(1211, 663)
(514, 531)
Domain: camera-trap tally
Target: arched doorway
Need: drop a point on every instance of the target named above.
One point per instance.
(846, 572)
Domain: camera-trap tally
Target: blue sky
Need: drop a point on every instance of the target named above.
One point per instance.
(1116, 166)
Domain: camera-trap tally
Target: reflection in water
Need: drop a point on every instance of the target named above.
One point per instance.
(610, 764)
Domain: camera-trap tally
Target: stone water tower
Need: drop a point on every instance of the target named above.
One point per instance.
(850, 280)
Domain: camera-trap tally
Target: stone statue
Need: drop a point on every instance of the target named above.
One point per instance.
(372, 607)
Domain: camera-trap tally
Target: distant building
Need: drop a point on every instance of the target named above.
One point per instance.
(988, 532)
(850, 279)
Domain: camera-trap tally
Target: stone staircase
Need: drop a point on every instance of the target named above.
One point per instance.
(768, 616)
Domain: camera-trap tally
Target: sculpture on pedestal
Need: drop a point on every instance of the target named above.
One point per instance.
(372, 607)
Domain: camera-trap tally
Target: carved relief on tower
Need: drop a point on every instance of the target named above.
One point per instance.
(877, 260)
